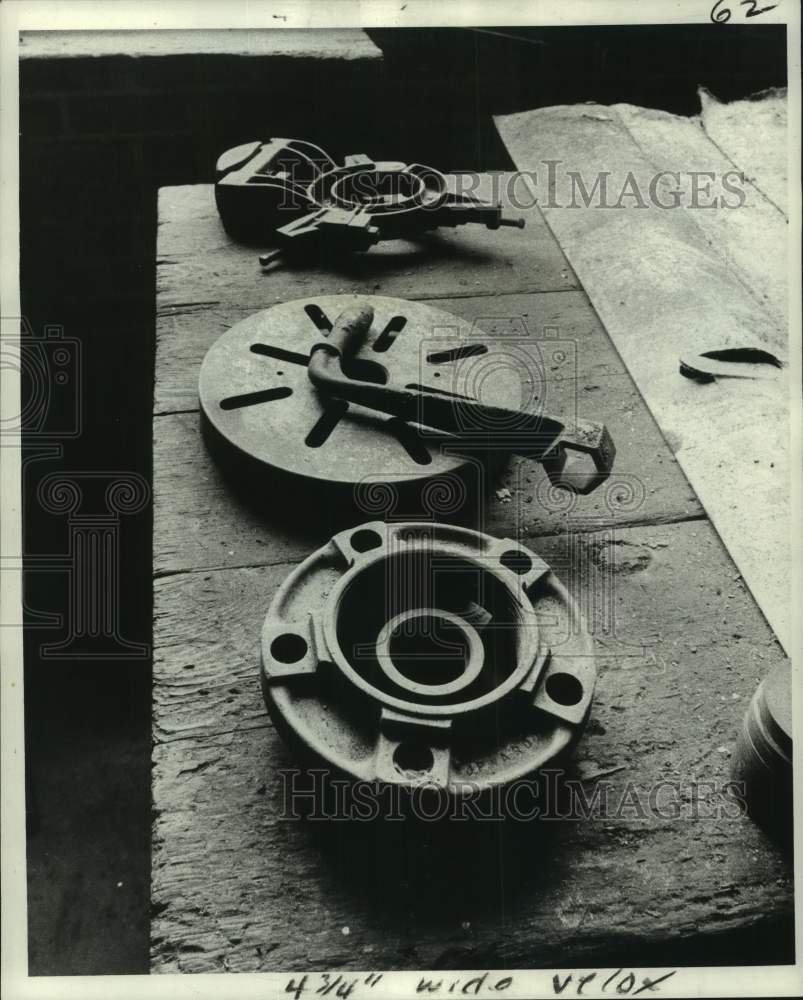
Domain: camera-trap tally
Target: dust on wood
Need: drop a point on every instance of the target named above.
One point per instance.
(681, 648)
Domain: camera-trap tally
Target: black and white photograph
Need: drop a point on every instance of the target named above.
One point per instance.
(401, 499)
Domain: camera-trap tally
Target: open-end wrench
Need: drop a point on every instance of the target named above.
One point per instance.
(526, 431)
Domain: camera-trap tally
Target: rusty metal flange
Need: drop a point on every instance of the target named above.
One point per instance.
(260, 185)
(292, 193)
(423, 653)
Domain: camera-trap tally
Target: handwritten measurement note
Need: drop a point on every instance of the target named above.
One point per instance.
(327, 984)
(487, 985)
(620, 983)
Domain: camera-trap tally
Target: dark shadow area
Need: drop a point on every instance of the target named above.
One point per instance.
(420, 875)
(396, 256)
(88, 772)
(99, 137)
(449, 83)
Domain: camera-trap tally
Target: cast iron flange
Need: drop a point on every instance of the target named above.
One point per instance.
(427, 654)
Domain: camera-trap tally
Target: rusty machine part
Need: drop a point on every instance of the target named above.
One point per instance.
(260, 186)
(763, 756)
(292, 194)
(343, 390)
(423, 653)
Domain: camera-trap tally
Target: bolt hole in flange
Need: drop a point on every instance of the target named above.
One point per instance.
(412, 757)
(564, 689)
(389, 693)
(288, 648)
(364, 540)
(516, 561)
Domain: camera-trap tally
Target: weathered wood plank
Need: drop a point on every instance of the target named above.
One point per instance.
(338, 44)
(200, 522)
(681, 647)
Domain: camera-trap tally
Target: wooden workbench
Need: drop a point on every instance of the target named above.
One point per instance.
(681, 647)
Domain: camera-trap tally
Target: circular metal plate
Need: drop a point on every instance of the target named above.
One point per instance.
(254, 389)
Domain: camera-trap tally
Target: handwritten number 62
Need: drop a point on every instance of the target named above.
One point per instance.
(720, 13)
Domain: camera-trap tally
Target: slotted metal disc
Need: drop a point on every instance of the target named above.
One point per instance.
(255, 392)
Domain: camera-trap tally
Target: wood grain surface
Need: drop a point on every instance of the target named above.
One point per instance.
(237, 884)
